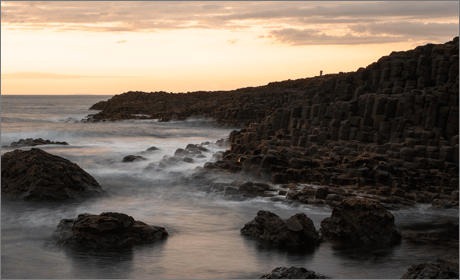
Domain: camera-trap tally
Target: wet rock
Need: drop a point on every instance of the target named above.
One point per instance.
(297, 230)
(107, 231)
(361, 220)
(292, 273)
(187, 160)
(440, 269)
(251, 189)
(151, 166)
(181, 152)
(29, 142)
(151, 149)
(169, 161)
(230, 190)
(322, 192)
(38, 175)
(132, 158)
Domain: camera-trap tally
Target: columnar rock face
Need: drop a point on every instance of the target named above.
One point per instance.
(361, 220)
(38, 175)
(107, 231)
(440, 269)
(399, 116)
(298, 229)
(292, 273)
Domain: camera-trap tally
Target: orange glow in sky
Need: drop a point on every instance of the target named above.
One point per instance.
(114, 47)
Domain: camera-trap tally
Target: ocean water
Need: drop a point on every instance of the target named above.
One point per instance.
(205, 240)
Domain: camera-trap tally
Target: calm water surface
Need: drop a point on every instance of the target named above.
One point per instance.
(205, 239)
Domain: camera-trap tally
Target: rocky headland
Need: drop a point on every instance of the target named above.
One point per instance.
(388, 132)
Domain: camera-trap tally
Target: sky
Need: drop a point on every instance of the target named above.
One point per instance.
(111, 47)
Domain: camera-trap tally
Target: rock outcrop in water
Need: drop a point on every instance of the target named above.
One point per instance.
(107, 231)
(38, 175)
(29, 142)
(388, 132)
(297, 230)
(132, 158)
(440, 269)
(361, 220)
(292, 273)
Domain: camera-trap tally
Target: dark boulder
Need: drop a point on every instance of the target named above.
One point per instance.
(107, 231)
(151, 149)
(361, 220)
(297, 230)
(440, 269)
(292, 273)
(38, 175)
(29, 142)
(132, 158)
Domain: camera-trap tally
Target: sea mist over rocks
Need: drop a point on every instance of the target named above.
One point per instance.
(379, 144)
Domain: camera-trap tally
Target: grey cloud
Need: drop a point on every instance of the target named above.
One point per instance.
(291, 22)
(433, 9)
(298, 37)
(410, 29)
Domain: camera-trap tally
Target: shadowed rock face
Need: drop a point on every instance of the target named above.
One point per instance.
(292, 273)
(107, 231)
(361, 220)
(297, 230)
(38, 175)
(440, 269)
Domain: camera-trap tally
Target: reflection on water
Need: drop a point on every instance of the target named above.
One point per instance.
(204, 242)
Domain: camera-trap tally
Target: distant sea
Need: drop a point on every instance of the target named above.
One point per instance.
(205, 239)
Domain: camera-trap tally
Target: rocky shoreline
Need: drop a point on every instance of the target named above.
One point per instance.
(388, 132)
(365, 142)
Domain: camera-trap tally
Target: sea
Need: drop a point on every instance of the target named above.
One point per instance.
(205, 240)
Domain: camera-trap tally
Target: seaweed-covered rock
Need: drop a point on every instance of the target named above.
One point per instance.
(361, 220)
(298, 229)
(440, 269)
(38, 175)
(292, 273)
(107, 231)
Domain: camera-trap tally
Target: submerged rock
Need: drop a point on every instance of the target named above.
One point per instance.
(297, 230)
(361, 220)
(29, 142)
(107, 231)
(132, 158)
(38, 175)
(440, 269)
(292, 273)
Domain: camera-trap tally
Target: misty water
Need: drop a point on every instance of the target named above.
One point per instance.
(204, 228)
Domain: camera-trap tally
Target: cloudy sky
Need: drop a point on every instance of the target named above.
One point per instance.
(112, 47)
